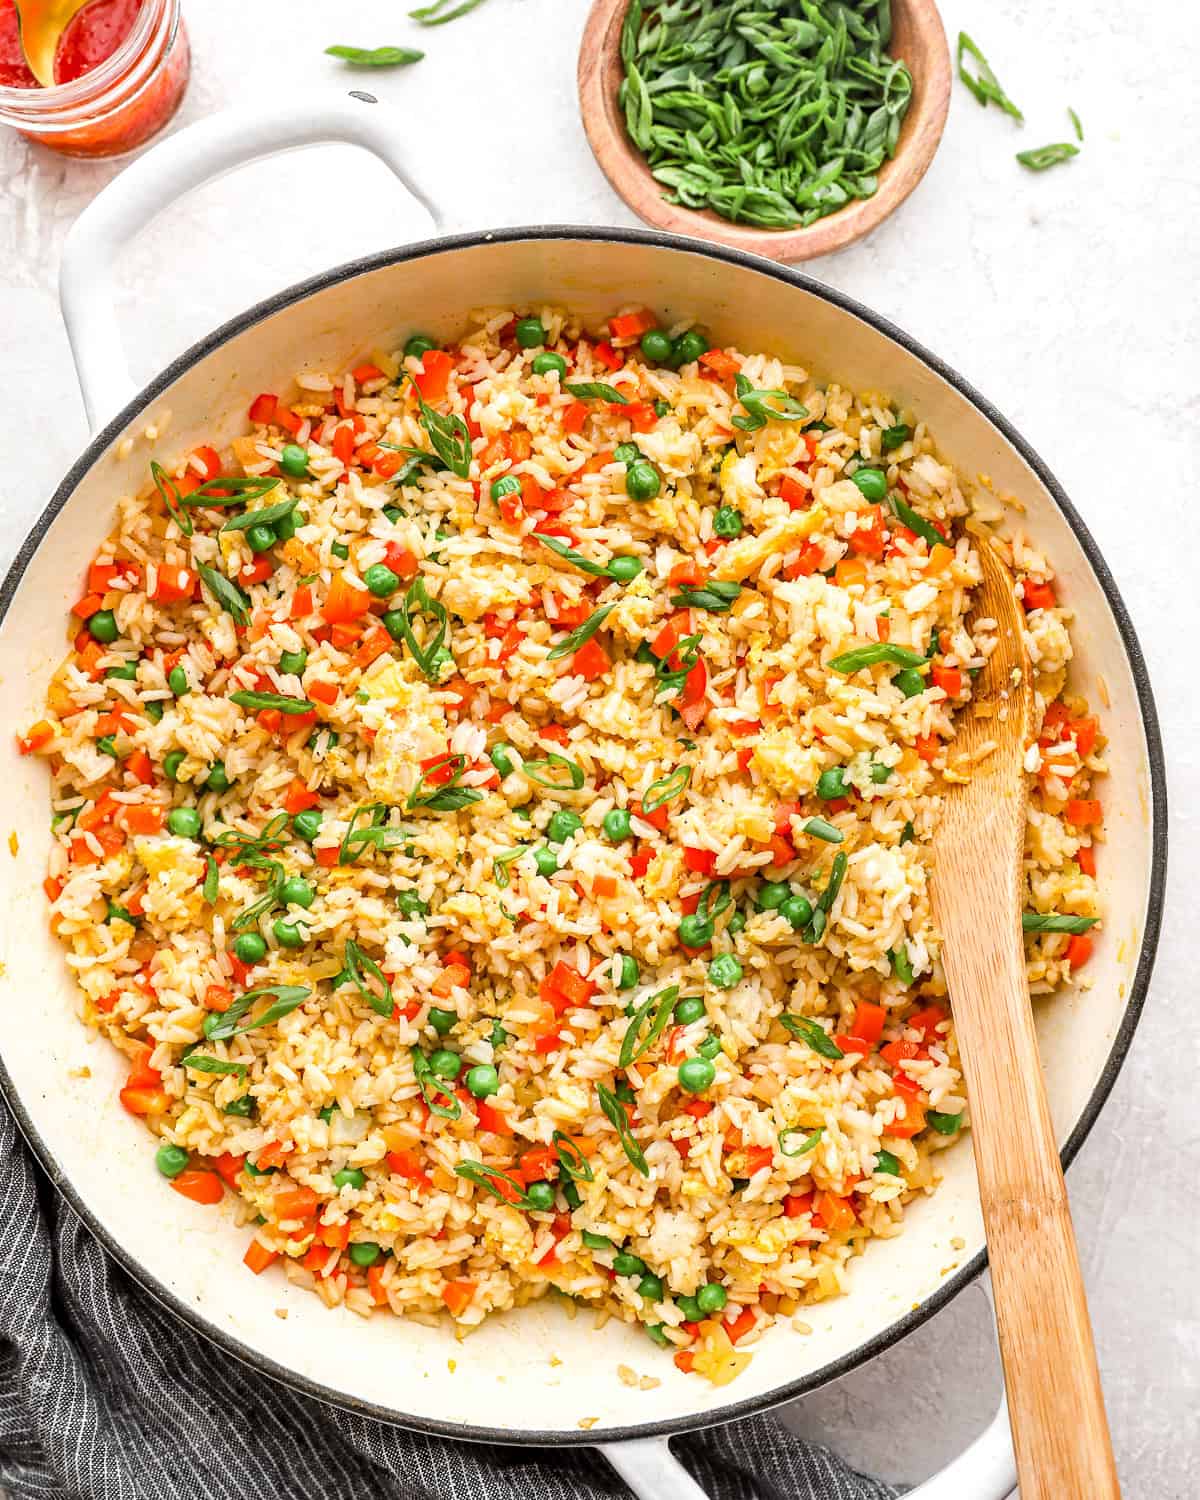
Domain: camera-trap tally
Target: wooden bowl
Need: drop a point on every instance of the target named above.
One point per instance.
(917, 36)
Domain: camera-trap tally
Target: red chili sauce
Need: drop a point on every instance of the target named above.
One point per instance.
(93, 35)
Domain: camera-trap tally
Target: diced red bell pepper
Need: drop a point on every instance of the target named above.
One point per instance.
(1037, 595)
(868, 1021)
(1079, 950)
(632, 325)
(1084, 812)
(434, 376)
(590, 661)
(262, 409)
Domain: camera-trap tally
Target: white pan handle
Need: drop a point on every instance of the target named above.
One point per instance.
(182, 162)
(984, 1471)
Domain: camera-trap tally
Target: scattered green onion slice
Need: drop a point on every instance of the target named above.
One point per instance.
(541, 772)
(633, 1044)
(226, 593)
(819, 828)
(1039, 158)
(571, 1159)
(870, 656)
(375, 57)
(582, 633)
(354, 961)
(805, 1145)
(983, 83)
(596, 390)
(257, 701)
(666, 788)
(813, 1033)
(1049, 921)
(716, 597)
(614, 1112)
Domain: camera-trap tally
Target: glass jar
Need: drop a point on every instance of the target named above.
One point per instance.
(120, 103)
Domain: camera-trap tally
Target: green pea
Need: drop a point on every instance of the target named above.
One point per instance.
(696, 1075)
(832, 784)
(445, 1064)
(126, 672)
(243, 1108)
(797, 911)
(629, 972)
(710, 1047)
(170, 1160)
(501, 757)
(712, 1297)
(364, 1253)
(625, 569)
(507, 484)
(177, 681)
(293, 460)
(689, 1009)
(442, 1021)
(642, 480)
(380, 580)
(562, 825)
(293, 662)
(909, 681)
(572, 1194)
(689, 347)
(349, 1177)
(339, 550)
(657, 346)
(872, 484)
(418, 345)
(250, 947)
(411, 905)
(543, 364)
(107, 746)
(690, 1308)
(102, 627)
(725, 971)
(618, 825)
(735, 923)
(483, 1081)
(288, 934)
(650, 1287)
(296, 891)
(627, 453)
(728, 522)
(546, 861)
(662, 408)
(772, 894)
(184, 822)
(695, 931)
(531, 333)
(658, 1333)
(540, 1196)
(880, 773)
(307, 824)
(394, 622)
(260, 538)
(627, 1264)
(217, 779)
(326, 1114)
(154, 711)
(595, 1241)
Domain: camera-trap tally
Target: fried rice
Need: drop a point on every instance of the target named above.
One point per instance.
(505, 864)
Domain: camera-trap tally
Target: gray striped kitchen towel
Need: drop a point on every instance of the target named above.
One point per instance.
(106, 1396)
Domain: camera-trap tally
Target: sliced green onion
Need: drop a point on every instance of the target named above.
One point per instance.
(805, 1145)
(813, 1033)
(614, 1112)
(633, 1045)
(596, 390)
(1049, 921)
(581, 634)
(284, 705)
(870, 656)
(540, 771)
(354, 961)
(666, 788)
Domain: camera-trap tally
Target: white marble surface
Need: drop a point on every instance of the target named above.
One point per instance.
(1069, 298)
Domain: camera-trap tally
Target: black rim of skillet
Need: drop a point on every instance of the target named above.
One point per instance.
(1158, 858)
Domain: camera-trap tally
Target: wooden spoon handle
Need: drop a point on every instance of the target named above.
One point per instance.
(1060, 1431)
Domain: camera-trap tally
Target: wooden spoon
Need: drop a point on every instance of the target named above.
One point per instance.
(1055, 1404)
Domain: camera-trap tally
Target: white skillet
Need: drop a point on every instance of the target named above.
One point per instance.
(531, 1376)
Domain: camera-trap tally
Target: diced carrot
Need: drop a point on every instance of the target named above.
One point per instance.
(172, 585)
(897, 1053)
(1086, 732)
(372, 646)
(949, 679)
(852, 1044)
(298, 797)
(550, 1042)
(343, 442)
(217, 997)
(631, 325)
(256, 572)
(142, 818)
(1037, 595)
(365, 372)
(1084, 812)
(868, 1021)
(144, 1101)
(1079, 949)
(927, 746)
(723, 365)
(434, 376)
(323, 692)
(556, 732)
(409, 1164)
(262, 409)
(684, 1360)
(489, 1118)
(569, 982)
(200, 1186)
(100, 812)
(536, 1164)
(39, 736)
(457, 1295)
(1085, 858)
(345, 602)
(590, 661)
(344, 634)
(52, 887)
(658, 818)
(375, 1283)
(838, 1213)
(273, 1154)
(139, 767)
(302, 603)
(740, 1326)
(293, 1200)
(758, 1157)
(796, 1205)
(849, 572)
(912, 1121)
(87, 606)
(258, 1257)
(782, 852)
(574, 417)
(229, 1167)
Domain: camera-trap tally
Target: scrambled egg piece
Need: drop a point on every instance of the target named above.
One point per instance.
(790, 767)
(741, 558)
(175, 873)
